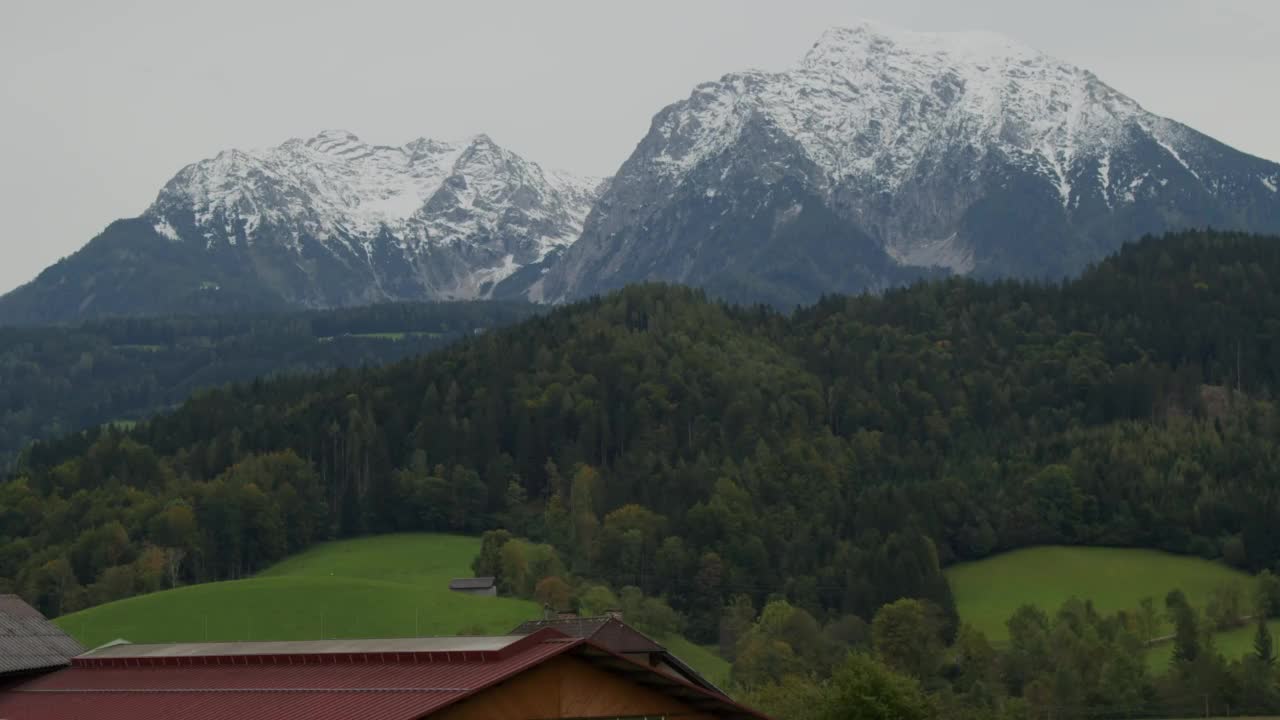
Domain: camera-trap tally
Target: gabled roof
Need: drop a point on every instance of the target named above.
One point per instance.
(250, 681)
(605, 630)
(480, 583)
(619, 637)
(29, 642)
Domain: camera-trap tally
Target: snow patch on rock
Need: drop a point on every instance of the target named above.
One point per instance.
(948, 252)
(163, 227)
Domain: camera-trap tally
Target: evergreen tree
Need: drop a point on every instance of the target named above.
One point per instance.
(1262, 643)
(1186, 636)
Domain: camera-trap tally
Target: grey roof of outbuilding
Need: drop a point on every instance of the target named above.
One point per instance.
(305, 647)
(480, 583)
(29, 642)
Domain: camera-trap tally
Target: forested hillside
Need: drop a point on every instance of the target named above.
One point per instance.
(838, 457)
(55, 380)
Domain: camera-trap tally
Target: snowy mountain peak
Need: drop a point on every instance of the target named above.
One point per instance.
(334, 141)
(335, 192)
(872, 104)
(840, 45)
(966, 151)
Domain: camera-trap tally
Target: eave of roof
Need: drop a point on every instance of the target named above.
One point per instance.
(421, 645)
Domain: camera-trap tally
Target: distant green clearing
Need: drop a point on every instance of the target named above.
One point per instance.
(988, 592)
(385, 586)
(372, 587)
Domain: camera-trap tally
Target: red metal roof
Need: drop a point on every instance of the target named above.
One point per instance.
(390, 686)
(320, 686)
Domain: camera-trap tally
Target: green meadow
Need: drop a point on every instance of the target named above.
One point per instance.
(988, 591)
(384, 586)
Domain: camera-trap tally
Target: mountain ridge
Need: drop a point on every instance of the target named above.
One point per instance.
(968, 152)
(320, 222)
(880, 157)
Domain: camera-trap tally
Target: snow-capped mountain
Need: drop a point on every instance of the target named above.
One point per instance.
(881, 157)
(885, 154)
(324, 221)
(430, 219)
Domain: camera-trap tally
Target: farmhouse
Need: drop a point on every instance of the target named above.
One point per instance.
(544, 674)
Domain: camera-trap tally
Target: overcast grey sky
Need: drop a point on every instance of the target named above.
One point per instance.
(104, 101)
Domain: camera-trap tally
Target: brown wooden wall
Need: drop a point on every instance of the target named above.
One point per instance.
(567, 687)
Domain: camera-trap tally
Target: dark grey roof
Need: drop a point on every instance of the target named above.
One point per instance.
(29, 642)
(617, 636)
(480, 583)
(577, 627)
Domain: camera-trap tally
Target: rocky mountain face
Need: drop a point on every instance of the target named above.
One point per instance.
(326, 221)
(885, 155)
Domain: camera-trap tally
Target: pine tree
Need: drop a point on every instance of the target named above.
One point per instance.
(1262, 644)
(1186, 637)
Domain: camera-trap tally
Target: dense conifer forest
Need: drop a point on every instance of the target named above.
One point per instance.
(56, 380)
(724, 458)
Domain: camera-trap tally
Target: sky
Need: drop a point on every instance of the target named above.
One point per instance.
(102, 103)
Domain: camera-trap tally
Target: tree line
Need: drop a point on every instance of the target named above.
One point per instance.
(1073, 663)
(57, 380)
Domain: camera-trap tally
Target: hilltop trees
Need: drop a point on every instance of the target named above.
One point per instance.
(863, 689)
(58, 380)
(906, 635)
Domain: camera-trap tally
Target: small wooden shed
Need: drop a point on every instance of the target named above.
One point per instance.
(486, 586)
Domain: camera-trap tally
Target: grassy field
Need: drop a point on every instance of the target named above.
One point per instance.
(989, 591)
(385, 586)
(392, 585)
(704, 660)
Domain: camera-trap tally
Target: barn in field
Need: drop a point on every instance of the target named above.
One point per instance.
(537, 676)
(486, 586)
